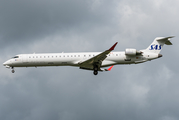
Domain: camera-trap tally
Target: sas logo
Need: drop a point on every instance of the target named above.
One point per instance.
(155, 47)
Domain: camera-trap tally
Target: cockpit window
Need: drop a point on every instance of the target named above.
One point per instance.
(16, 57)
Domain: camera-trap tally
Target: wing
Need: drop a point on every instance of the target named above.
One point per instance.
(96, 60)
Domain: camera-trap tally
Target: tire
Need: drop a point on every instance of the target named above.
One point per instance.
(95, 72)
(13, 71)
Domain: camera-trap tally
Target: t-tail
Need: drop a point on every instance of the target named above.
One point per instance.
(158, 44)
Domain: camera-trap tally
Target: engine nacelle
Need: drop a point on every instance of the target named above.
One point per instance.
(132, 52)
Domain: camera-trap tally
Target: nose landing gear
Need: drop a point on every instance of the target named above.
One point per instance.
(13, 71)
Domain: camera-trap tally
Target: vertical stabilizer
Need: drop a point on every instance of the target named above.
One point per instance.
(158, 43)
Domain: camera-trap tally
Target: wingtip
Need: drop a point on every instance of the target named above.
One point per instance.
(112, 48)
(109, 69)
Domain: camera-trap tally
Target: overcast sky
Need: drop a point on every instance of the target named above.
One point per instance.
(147, 91)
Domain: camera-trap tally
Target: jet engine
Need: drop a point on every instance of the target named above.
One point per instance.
(132, 52)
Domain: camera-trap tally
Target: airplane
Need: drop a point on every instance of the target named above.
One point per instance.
(94, 61)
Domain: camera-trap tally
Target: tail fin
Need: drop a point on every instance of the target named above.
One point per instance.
(158, 43)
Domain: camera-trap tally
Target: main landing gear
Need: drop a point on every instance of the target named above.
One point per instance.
(13, 71)
(95, 70)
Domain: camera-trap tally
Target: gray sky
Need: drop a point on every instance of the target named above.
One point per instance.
(129, 92)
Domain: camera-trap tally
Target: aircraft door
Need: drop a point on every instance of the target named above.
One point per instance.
(25, 59)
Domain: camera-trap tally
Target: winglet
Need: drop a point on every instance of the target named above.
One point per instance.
(112, 48)
(110, 68)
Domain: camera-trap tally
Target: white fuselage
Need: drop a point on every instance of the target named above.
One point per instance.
(74, 59)
(91, 60)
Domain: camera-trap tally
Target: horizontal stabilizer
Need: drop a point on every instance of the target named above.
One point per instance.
(168, 42)
(166, 39)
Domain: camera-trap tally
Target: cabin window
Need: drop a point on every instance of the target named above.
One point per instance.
(78, 55)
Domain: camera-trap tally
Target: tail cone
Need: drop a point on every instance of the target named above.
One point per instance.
(160, 55)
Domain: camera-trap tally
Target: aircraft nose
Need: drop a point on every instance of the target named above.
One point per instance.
(7, 63)
(4, 63)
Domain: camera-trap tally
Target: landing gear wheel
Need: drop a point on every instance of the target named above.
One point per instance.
(95, 72)
(13, 71)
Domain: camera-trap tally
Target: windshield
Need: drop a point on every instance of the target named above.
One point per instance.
(16, 57)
